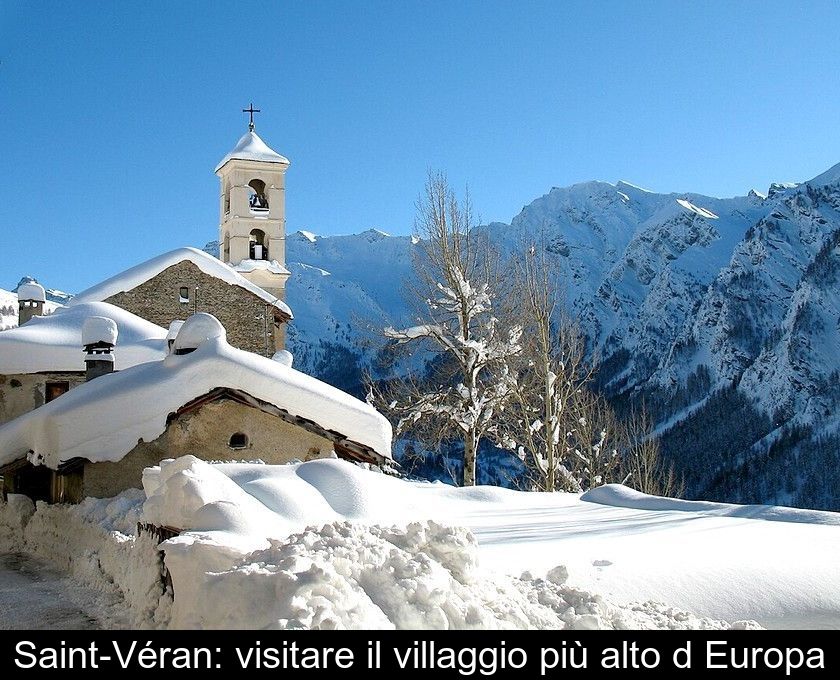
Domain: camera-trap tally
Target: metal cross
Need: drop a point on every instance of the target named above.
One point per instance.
(251, 111)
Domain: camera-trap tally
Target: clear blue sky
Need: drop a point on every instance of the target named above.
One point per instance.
(114, 114)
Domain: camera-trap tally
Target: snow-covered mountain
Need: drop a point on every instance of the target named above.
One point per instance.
(723, 315)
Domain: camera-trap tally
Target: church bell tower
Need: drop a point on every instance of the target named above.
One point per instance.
(252, 207)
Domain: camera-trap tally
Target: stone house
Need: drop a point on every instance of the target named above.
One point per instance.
(43, 357)
(184, 281)
(205, 398)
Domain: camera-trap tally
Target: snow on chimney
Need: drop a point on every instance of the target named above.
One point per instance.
(31, 299)
(99, 336)
(284, 357)
(174, 327)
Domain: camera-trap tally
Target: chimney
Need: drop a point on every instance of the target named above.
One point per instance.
(31, 299)
(99, 336)
(174, 327)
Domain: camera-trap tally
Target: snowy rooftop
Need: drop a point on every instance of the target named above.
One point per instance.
(102, 420)
(54, 342)
(131, 278)
(251, 148)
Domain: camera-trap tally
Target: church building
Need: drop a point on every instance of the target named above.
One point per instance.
(245, 288)
(181, 354)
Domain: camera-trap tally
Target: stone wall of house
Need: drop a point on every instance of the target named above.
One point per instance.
(22, 393)
(205, 433)
(248, 320)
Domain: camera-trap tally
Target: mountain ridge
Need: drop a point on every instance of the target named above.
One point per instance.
(721, 315)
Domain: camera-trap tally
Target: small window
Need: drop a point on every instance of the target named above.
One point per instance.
(238, 441)
(54, 390)
(184, 294)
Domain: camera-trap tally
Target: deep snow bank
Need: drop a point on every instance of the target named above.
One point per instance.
(329, 544)
(237, 545)
(721, 562)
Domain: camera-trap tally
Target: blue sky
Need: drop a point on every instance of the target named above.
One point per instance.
(114, 114)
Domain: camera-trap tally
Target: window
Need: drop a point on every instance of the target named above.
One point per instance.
(238, 441)
(54, 390)
(184, 294)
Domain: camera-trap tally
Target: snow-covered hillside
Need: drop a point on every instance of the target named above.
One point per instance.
(705, 308)
(721, 315)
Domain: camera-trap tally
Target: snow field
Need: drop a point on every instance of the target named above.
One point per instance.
(296, 546)
(329, 544)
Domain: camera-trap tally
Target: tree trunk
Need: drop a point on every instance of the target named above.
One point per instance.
(470, 445)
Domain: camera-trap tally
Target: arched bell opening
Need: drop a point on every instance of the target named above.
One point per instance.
(257, 200)
(258, 245)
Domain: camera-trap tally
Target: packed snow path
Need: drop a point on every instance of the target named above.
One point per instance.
(34, 597)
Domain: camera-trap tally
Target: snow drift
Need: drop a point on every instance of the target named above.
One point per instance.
(345, 574)
(330, 544)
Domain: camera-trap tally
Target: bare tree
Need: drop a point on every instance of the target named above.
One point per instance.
(566, 435)
(549, 370)
(642, 465)
(595, 441)
(457, 274)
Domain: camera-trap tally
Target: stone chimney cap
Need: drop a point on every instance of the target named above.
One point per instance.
(99, 329)
(32, 291)
(197, 329)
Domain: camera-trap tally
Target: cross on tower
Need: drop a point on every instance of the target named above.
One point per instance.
(251, 111)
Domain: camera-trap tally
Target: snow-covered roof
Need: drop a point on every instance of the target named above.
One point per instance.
(54, 342)
(131, 278)
(251, 148)
(32, 291)
(102, 420)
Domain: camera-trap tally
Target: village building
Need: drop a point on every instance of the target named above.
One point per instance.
(184, 281)
(43, 358)
(181, 354)
(205, 398)
(245, 287)
(252, 213)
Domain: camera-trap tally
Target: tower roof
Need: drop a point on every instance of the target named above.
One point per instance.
(251, 147)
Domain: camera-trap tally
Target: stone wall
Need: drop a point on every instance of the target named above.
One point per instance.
(22, 393)
(205, 433)
(248, 320)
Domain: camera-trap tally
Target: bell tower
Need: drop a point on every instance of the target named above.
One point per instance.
(252, 211)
